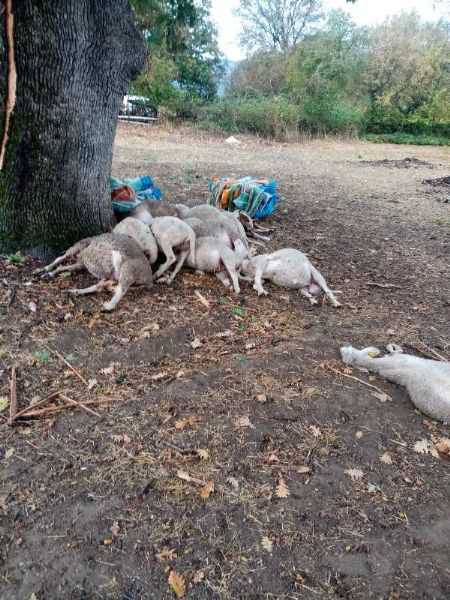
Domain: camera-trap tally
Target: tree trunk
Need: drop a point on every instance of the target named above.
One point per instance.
(74, 60)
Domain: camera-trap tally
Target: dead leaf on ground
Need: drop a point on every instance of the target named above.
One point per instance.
(121, 439)
(315, 431)
(177, 583)
(425, 447)
(244, 422)
(196, 343)
(166, 554)
(354, 474)
(202, 453)
(303, 470)
(4, 403)
(191, 421)
(198, 577)
(115, 529)
(386, 458)
(267, 544)
(282, 490)
(443, 448)
(207, 490)
(9, 452)
(107, 370)
(186, 477)
(158, 376)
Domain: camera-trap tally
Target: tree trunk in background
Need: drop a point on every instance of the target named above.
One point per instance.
(74, 60)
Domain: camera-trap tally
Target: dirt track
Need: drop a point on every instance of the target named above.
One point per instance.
(100, 507)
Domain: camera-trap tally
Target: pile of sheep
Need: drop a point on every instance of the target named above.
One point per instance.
(203, 238)
(214, 241)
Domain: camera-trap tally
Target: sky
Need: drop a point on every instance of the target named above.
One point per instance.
(365, 12)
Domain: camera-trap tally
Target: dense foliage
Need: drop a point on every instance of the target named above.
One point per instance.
(394, 77)
(184, 63)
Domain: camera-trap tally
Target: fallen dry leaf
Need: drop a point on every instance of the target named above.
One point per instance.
(359, 435)
(191, 421)
(32, 306)
(282, 490)
(9, 452)
(186, 477)
(202, 299)
(386, 458)
(107, 542)
(166, 554)
(202, 453)
(443, 448)
(198, 577)
(303, 470)
(244, 422)
(267, 544)
(177, 583)
(196, 343)
(425, 447)
(91, 384)
(107, 370)
(121, 439)
(158, 376)
(354, 474)
(4, 403)
(315, 431)
(207, 490)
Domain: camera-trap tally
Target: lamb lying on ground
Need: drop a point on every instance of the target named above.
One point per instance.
(142, 234)
(287, 268)
(218, 221)
(172, 234)
(110, 257)
(213, 256)
(427, 381)
(148, 210)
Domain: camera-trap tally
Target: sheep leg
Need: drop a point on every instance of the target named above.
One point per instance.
(98, 287)
(222, 277)
(230, 267)
(72, 251)
(168, 252)
(304, 292)
(64, 269)
(318, 278)
(258, 286)
(126, 280)
(181, 259)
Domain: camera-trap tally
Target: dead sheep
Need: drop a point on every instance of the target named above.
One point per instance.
(218, 220)
(427, 381)
(148, 210)
(214, 256)
(142, 234)
(110, 258)
(172, 236)
(288, 268)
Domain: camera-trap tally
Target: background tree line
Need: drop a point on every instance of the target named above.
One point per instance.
(308, 71)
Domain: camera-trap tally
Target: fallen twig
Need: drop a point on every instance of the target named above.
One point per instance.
(374, 387)
(23, 412)
(434, 353)
(13, 397)
(384, 285)
(61, 357)
(50, 410)
(202, 299)
(81, 405)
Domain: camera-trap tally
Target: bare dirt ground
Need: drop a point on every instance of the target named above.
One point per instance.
(232, 456)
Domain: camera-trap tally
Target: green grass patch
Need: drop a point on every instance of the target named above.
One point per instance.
(418, 139)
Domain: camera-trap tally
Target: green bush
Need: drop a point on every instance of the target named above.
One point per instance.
(268, 117)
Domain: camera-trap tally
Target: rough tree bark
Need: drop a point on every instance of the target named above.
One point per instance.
(74, 60)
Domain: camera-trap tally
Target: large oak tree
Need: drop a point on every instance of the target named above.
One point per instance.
(72, 61)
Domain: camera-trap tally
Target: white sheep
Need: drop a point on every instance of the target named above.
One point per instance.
(110, 257)
(219, 220)
(287, 268)
(148, 210)
(172, 234)
(213, 256)
(427, 381)
(142, 234)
